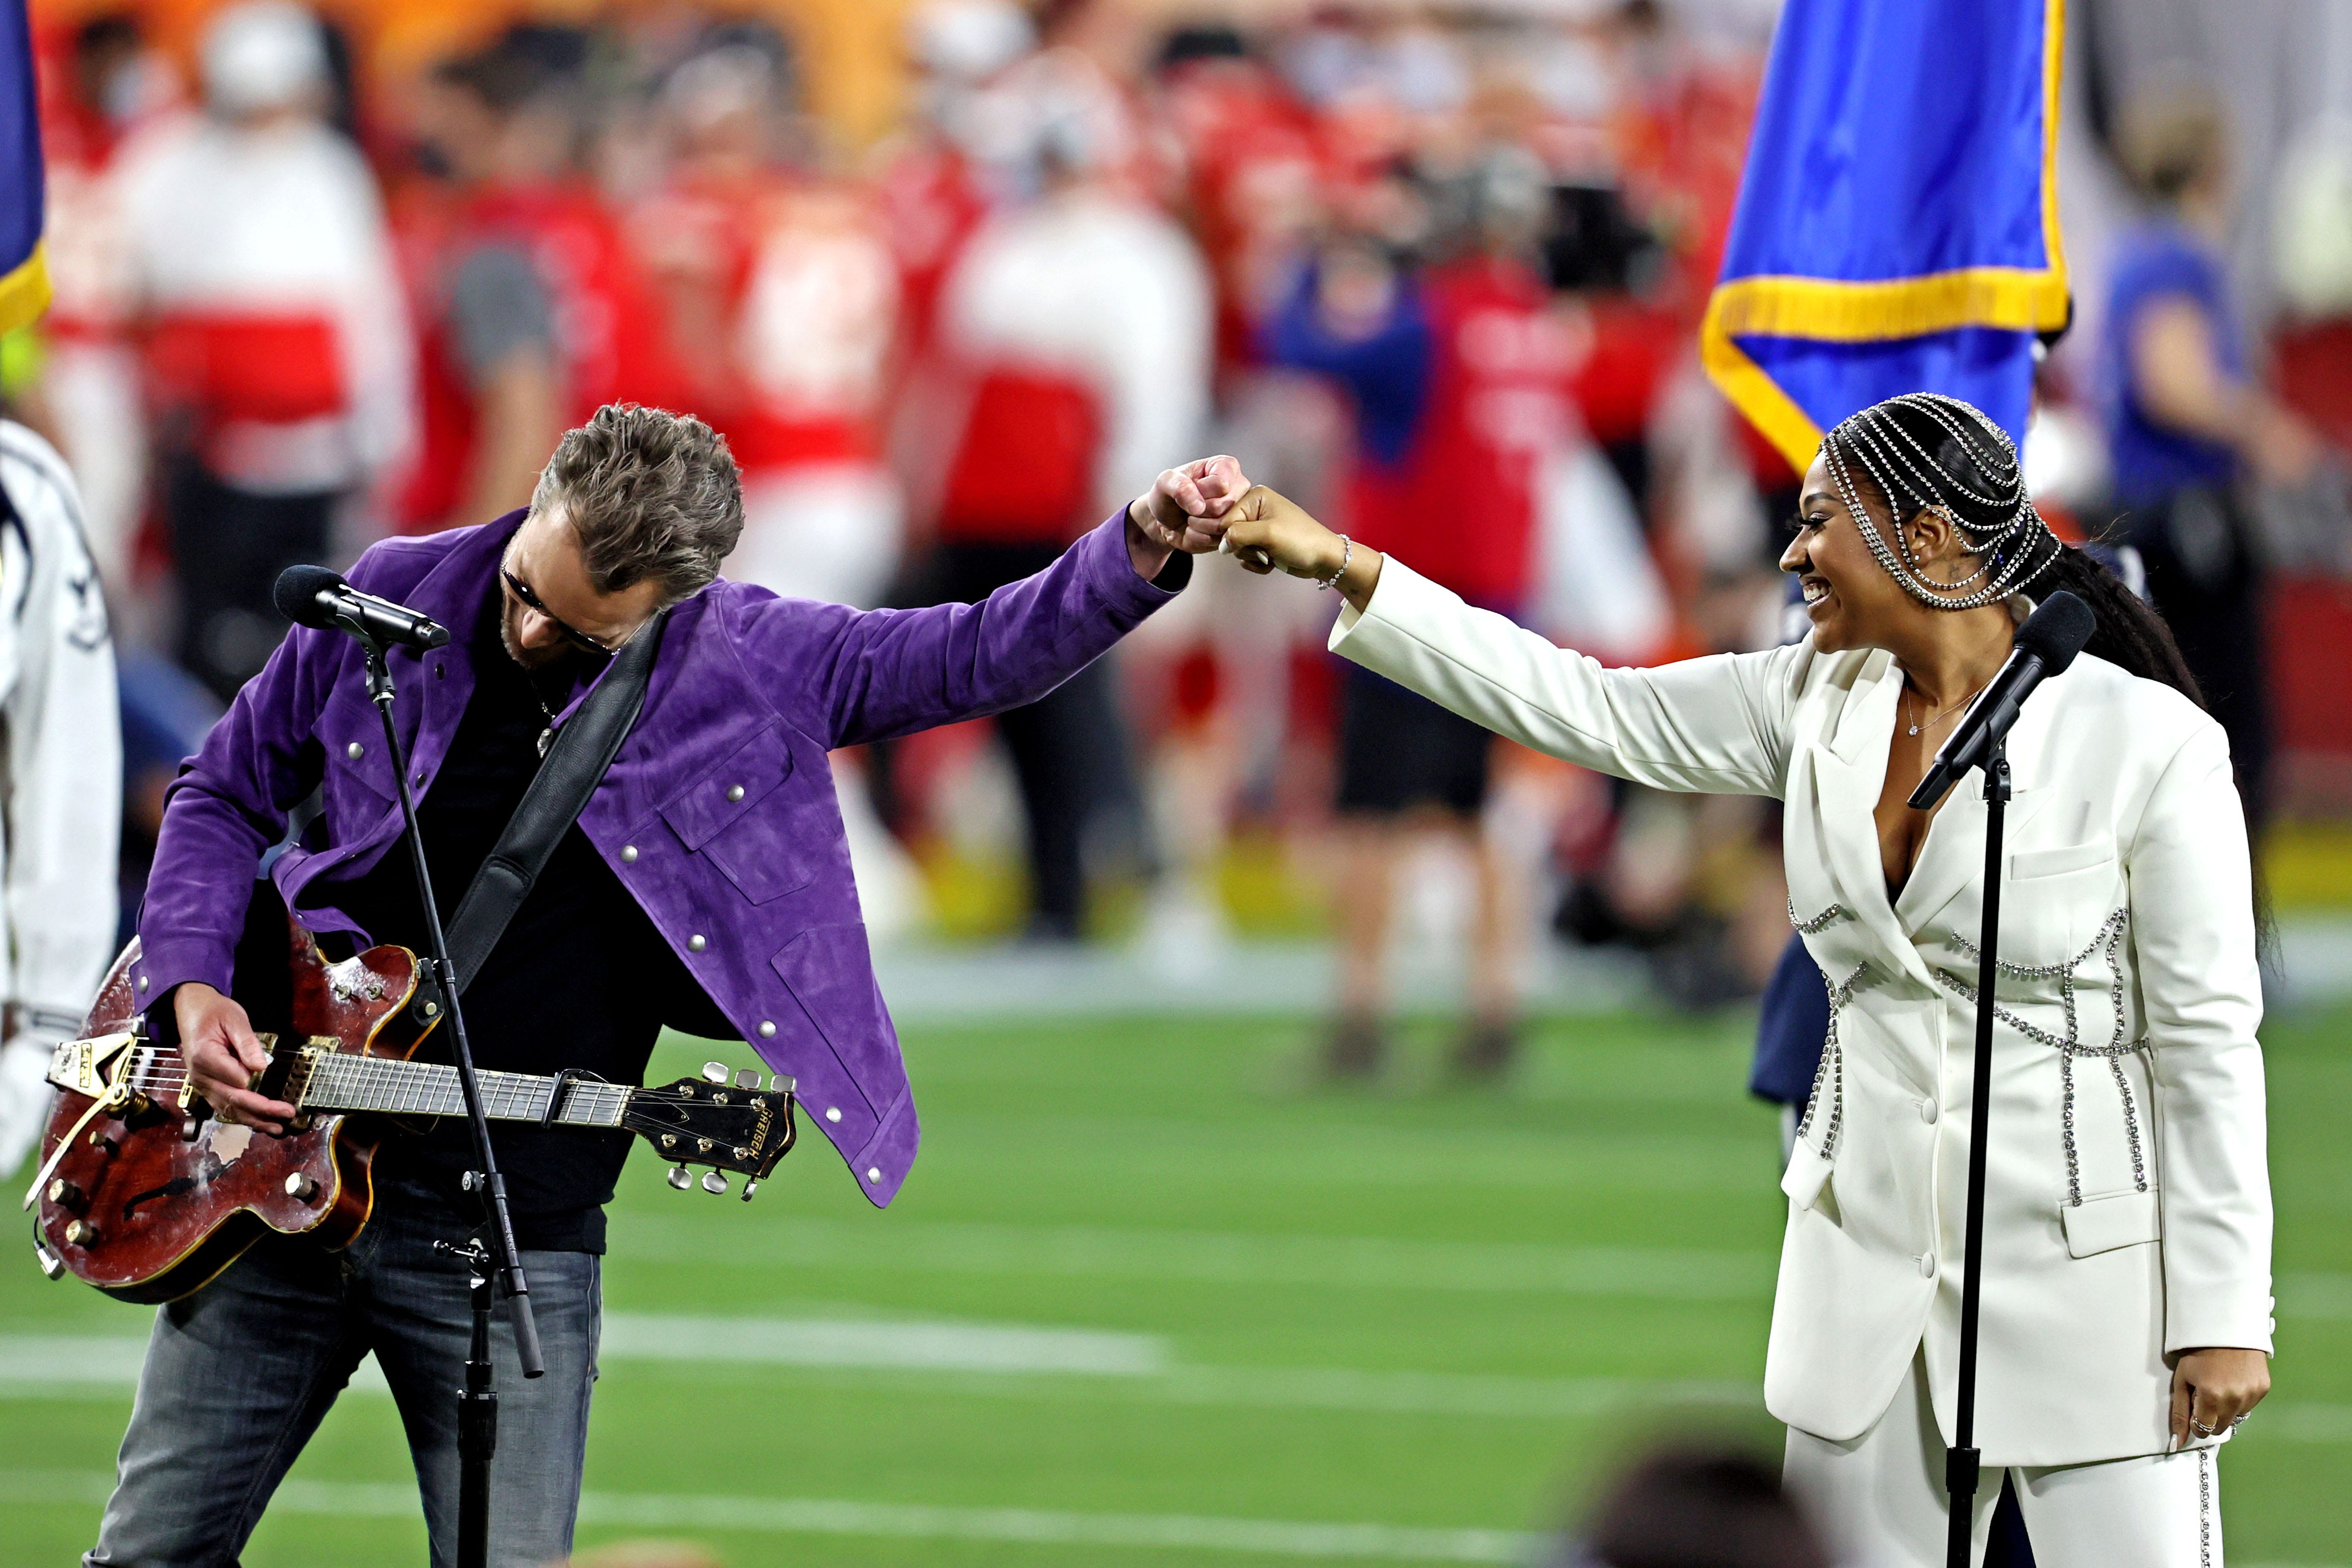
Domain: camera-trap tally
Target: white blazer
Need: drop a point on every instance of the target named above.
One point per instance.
(2127, 1190)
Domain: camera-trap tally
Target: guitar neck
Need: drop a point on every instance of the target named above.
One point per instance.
(338, 1082)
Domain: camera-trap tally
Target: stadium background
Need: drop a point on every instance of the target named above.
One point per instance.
(1157, 1291)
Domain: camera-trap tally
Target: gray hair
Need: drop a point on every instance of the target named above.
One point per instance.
(651, 494)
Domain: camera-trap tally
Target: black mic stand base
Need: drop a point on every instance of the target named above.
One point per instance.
(1963, 1461)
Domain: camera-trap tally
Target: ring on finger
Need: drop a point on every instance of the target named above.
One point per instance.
(2199, 1429)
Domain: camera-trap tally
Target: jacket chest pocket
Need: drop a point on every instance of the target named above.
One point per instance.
(357, 776)
(2055, 903)
(738, 816)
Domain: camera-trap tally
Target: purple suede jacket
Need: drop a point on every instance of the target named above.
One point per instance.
(719, 813)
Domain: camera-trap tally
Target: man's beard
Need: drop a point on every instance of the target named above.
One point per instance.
(537, 660)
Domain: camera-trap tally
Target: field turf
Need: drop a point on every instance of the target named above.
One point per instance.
(1149, 1299)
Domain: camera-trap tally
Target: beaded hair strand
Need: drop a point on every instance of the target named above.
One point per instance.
(2008, 536)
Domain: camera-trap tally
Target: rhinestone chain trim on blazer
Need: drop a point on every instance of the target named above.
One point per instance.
(2107, 944)
(1832, 1069)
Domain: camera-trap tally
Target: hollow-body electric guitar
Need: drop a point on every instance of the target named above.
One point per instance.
(144, 1195)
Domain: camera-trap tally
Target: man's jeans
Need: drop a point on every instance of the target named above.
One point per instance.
(239, 1374)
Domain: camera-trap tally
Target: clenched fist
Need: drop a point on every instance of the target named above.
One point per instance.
(1182, 511)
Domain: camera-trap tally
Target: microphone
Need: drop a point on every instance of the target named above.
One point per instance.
(2046, 644)
(314, 596)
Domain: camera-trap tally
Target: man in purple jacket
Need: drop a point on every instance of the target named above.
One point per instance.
(707, 885)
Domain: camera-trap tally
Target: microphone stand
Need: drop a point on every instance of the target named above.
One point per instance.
(501, 1266)
(1962, 1465)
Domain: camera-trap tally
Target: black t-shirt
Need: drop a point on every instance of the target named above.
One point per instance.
(581, 979)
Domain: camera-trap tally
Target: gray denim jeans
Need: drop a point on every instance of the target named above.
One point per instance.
(240, 1373)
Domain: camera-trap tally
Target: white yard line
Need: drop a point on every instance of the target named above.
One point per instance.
(1244, 1257)
(832, 1516)
(1050, 1364)
(1340, 1262)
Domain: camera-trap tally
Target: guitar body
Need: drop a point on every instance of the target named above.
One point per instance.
(154, 1197)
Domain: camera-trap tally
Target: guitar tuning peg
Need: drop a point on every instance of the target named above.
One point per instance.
(714, 1072)
(746, 1077)
(751, 1186)
(680, 1177)
(714, 1182)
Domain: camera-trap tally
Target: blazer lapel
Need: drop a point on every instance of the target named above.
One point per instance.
(1951, 861)
(1849, 770)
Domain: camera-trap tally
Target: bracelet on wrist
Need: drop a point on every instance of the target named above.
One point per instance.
(1346, 553)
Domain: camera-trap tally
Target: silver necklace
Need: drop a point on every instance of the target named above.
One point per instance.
(1909, 699)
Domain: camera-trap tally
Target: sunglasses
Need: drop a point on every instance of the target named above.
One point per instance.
(538, 606)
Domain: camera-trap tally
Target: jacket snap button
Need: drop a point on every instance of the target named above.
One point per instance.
(1926, 1266)
(872, 1172)
(833, 1113)
(628, 854)
(1927, 1111)
(734, 792)
(355, 751)
(767, 1028)
(695, 944)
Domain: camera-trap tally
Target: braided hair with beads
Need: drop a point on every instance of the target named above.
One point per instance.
(1926, 452)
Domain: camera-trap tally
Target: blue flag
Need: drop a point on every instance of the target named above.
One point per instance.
(24, 275)
(1898, 226)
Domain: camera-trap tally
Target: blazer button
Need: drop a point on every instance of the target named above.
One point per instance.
(872, 1172)
(833, 1113)
(628, 854)
(734, 792)
(1926, 1266)
(355, 751)
(1927, 1111)
(695, 944)
(767, 1028)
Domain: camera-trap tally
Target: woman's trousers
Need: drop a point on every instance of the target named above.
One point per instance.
(1880, 1498)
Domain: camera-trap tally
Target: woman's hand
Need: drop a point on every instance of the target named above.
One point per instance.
(1266, 529)
(2213, 1389)
(1182, 511)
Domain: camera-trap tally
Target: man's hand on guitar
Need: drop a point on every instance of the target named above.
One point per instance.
(224, 1058)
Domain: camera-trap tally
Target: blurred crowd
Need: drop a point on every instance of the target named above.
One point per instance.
(1433, 270)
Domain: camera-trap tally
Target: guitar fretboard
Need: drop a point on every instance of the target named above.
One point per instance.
(339, 1082)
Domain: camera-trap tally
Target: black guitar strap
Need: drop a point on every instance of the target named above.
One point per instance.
(576, 761)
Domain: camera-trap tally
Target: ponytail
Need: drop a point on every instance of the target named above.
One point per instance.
(2130, 633)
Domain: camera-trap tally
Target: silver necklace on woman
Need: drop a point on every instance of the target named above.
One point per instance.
(1909, 699)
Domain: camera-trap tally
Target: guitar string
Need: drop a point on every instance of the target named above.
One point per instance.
(380, 1083)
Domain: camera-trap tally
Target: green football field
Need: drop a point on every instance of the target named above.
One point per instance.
(1149, 1299)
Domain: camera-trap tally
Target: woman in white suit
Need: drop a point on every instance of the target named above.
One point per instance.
(2126, 1303)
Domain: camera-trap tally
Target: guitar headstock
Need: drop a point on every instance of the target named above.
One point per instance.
(725, 1120)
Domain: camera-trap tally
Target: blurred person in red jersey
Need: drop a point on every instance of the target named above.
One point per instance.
(1455, 371)
(102, 85)
(782, 300)
(783, 303)
(932, 190)
(277, 350)
(1251, 169)
(1077, 324)
(533, 312)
